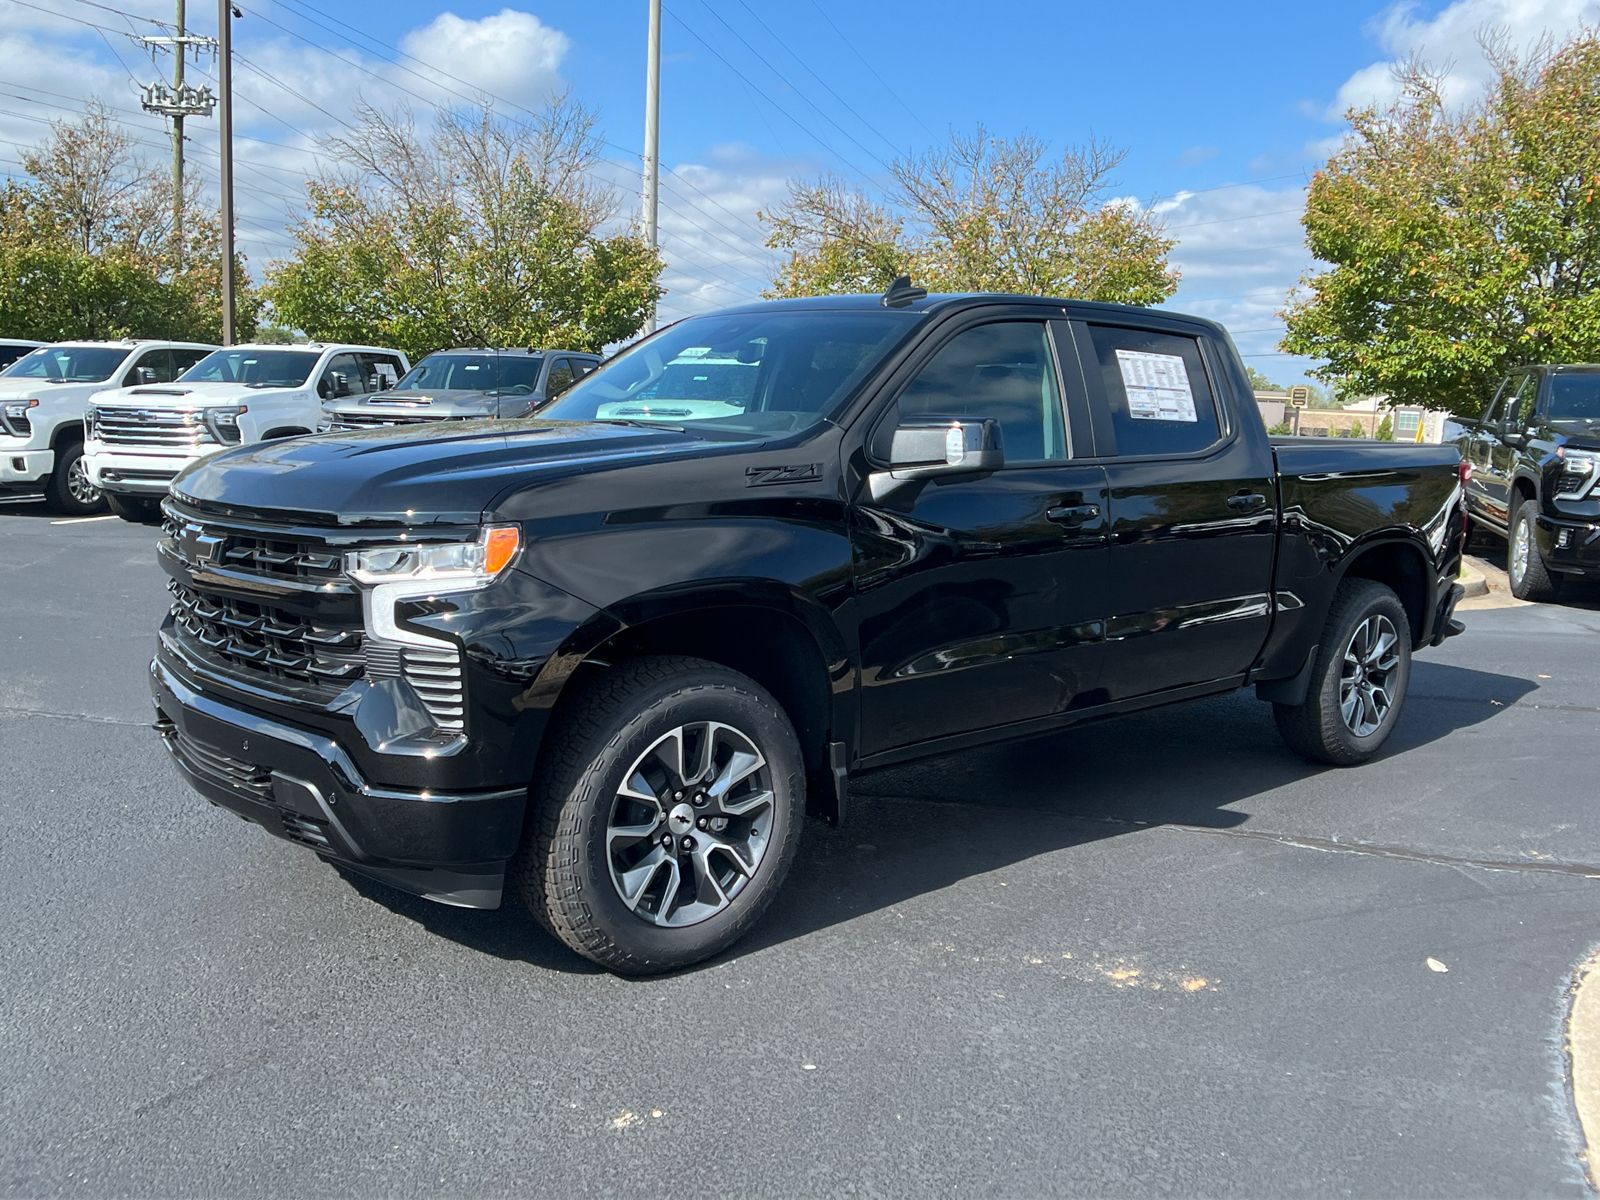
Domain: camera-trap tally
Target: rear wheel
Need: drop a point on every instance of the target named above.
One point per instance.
(1359, 681)
(142, 510)
(664, 817)
(1530, 578)
(70, 490)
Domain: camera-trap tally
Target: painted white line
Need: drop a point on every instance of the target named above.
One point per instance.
(86, 520)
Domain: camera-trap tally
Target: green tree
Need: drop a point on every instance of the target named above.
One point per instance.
(1282, 428)
(981, 214)
(86, 248)
(477, 231)
(1385, 431)
(1260, 382)
(1464, 241)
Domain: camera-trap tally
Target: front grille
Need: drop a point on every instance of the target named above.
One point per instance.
(354, 422)
(244, 634)
(269, 557)
(306, 831)
(18, 426)
(219, 768)
(149, 427)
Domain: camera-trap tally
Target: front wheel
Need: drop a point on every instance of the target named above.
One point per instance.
(141, 510)
(70, 489)
(1530, 578)
(1358, 682)
(664, 815)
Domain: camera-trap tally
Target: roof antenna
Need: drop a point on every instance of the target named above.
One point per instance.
(902, 292)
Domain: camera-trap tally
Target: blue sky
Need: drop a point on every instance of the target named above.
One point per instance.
(1224, 111)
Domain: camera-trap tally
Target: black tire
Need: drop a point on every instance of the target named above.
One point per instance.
(141, 510)
(69, 490)
(1532, 580)
(1319, 729)
(564, 870)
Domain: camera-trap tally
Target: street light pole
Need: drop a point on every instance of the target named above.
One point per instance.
(225, 113)
(650, 192)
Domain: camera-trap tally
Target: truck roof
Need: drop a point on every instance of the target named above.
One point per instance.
(938, 302)
(523, 350)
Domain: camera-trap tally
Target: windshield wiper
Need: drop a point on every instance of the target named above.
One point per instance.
(639, 423)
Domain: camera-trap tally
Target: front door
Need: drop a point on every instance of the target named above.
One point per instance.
(1193, 508)
(981, 600)
(1500, 460)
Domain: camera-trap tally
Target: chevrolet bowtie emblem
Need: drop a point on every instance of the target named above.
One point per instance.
(199, 547)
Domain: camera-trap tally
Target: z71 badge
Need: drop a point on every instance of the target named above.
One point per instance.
(762, 476)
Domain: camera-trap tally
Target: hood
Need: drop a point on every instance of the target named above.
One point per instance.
(413, 474)
(43, 390)
(420, 402)
(184, 395)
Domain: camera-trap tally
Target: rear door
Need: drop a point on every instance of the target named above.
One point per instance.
(1478, 444)
(1193, 495)
(981, 600)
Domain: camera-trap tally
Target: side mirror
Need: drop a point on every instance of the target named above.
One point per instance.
(943, 451)
(145, 374)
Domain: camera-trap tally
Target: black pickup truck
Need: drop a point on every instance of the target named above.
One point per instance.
(608, 655)
(1533, 460)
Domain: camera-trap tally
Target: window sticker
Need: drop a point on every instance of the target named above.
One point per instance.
(1157, 385)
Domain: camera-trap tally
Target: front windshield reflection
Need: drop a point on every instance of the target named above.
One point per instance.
(1575, 398)
(753, 373)
(509, 374)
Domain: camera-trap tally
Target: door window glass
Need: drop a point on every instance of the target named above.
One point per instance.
(560, 378)
(153, 366)
(184, 359)
(383, 371)
(1156, 389)
(1004, 372)
(1519, 411)
(344, 377)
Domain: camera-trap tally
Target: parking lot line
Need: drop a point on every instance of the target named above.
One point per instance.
(86, 520)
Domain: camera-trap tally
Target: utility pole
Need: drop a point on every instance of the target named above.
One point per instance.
(649, 193)
(176, 103)
(225, 123)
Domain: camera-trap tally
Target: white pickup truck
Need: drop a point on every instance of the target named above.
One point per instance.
(42, 399)
(139, 438)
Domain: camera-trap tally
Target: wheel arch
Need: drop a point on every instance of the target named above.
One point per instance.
(67, 431)
(1402, 566)
(1525, 486)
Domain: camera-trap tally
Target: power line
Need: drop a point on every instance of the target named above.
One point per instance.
(840, 33)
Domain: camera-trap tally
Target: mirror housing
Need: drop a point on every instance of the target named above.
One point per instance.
(941, 450)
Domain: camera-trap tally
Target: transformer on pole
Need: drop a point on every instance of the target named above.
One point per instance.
(175, 102)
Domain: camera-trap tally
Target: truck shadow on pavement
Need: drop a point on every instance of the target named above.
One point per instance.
(928, 825)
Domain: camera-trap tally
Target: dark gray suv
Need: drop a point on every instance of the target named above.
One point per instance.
(465, 385)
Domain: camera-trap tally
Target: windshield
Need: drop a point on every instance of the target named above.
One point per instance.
(253, 368)
(764, 372)
(1575, 398)
(68, 364)
(513, 374)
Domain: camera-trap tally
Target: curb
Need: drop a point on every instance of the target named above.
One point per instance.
(1473, 580)
(1583, 1057)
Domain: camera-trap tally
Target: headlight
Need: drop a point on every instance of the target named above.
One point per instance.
(1580, 469)
(224, 422)
(391, 574)
(20, 408)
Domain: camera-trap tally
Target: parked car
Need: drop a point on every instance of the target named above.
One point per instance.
(1534, 460)
(139, 438)
(466, 385)
(604, 656)
(43, 395)
(12, 349)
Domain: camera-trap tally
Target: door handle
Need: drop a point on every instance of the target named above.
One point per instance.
(1073, 514)
(1247, 502)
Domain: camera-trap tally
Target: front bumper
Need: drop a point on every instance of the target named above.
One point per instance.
(302, 786)
(24, 470)
(1570, 547)
(132, 473)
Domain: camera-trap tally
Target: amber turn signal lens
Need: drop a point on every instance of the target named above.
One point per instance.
(502, 544)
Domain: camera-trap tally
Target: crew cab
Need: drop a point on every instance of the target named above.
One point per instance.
(139, 438)
(1534, 460)
(43, 395)
(466, 385)
(605, 657)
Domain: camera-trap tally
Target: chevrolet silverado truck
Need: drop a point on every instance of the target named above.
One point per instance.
(43, 394)
(1533, 462)
(139, 438)
(606, 657)
(466, 385)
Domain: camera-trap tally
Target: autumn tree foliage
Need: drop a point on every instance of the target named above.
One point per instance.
(1462, 241)
(87, 250)
(473, 231)
(980, 214)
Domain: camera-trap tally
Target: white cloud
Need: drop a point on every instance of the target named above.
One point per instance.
(510, 54)
(1240, 250)
(1450, 38)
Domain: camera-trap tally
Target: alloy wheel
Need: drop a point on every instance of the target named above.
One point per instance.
(79, 486)
(1367, 678)
(690, 824)
(1520, 540)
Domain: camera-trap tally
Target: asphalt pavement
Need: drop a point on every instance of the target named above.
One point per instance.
(1157, 955)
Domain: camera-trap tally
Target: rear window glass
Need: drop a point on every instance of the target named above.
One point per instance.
(1156, 389)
